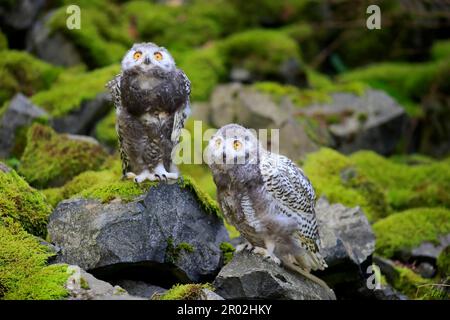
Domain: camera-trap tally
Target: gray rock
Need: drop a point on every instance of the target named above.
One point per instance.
(21, 14)
(140, 288)
(427, 250)
(83, 120)
(84, 286)
(426, 270)
(52, 47)
(20, 113)
(253, 109)
(4, 168)
(348, 244)
(141, 238)
(210, 295)
(373, 121)
(248, 276)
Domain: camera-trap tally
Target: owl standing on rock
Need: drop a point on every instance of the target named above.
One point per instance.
(268, 199)
(151, 96)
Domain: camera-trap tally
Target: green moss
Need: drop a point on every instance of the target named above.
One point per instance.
(406, 82)
(184, 292)
(377, 184)
(441, 50)
(23, 204)
(69, 93)
(443, 263)
(173, 252)
(260, 51)
(103, 37)
(408, 282)
(204, 68)
(227, 251)
(21, 72)
(84, 182)
(105, 130)
(410, 228)
(334, 175)
(320, 92)
(51, 159)
(84, 284)
(125, 190)
(23, 270)
(207, 204)
(3, 41)
(407, 186)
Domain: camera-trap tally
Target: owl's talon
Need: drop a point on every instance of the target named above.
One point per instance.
(244, 246)
(266, 255)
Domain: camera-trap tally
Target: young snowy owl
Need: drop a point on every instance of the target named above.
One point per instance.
(267, 198)
(151, 96)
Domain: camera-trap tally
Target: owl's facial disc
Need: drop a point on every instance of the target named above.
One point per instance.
(230, 151)
(147, 56)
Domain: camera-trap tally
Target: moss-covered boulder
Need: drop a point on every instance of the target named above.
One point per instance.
(162, 243)
(74, 88)
(377, 184)
(263, 53)
(50, 159)
(23, 204)
(103, 38)
(408, 229)
(21, 72)
(24, 273)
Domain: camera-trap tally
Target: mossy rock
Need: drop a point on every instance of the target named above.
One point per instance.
(205, 68)
(262, 52)
(51, 159)
(68, 93)
(227, 251)
(377, 184)
(408, 229)
(23, 204)
(414, 286)
(24, 274)
(443, 263)
(21, 72)
(184, 292)
(105, 130)
(408, 83)
(335, 176)
(201, 21)
(406, 186)
(103, 37)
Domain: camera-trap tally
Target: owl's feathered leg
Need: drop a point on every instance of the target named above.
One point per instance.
(161, 173)
(145, 175)
(267, 253)
(305, 273)
(244, 246)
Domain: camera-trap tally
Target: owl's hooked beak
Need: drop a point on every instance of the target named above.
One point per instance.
(147, 60)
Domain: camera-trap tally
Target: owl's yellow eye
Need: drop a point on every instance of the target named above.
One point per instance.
(237, 145)
(218, 143)
(158, 56)
(137, 55)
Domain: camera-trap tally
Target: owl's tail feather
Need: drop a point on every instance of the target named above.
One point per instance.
(290, 265)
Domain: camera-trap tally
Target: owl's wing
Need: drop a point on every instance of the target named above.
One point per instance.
(114, 89)
(182, 114)
(294, 195)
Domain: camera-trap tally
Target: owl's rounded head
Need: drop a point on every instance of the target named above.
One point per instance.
(147, 56)
(233, 144)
